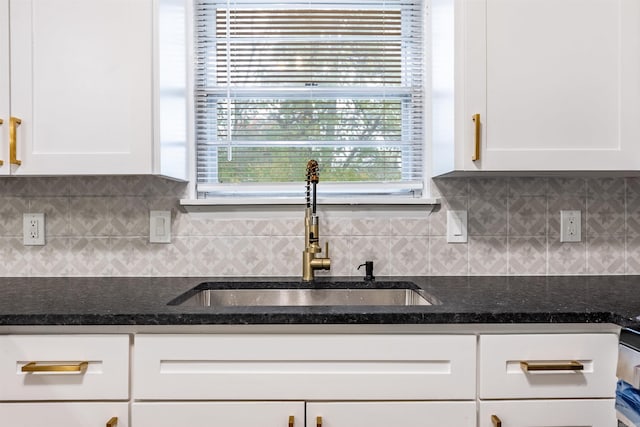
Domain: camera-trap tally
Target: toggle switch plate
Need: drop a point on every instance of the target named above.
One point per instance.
(160, 226)
(456, 226)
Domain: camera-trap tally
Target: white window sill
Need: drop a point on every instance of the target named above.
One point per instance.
(295, 203)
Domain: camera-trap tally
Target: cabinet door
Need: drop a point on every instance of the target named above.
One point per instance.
(4, 87)
(385, 414)
(95, 414)
(549, 413)
(556, 84)
(81, 83)
(219, 414)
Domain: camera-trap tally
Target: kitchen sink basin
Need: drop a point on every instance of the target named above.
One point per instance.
(206, 296)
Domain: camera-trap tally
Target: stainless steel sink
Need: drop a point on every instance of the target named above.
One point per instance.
(307, 297)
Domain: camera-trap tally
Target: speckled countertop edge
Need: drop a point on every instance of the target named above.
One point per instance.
(464, 299)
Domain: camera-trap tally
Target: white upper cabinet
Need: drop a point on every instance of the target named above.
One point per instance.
(80, 83)
(556, 84)
(4, 87)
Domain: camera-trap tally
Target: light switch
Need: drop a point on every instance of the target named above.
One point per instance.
(456, 226)
(160, 226)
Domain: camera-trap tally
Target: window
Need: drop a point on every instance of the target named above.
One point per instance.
(279, 83)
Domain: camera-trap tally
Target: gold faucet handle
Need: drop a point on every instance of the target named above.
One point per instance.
(326, 249)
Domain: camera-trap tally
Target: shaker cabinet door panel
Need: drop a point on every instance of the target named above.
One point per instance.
(81, 84)
(58, 414)
(386, 414)
(222, 414)
(549, 413)
(556, 84)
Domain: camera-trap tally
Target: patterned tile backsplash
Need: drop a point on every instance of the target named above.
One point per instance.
(99, 226)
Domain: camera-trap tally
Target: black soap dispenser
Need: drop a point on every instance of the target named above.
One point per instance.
(368, 270)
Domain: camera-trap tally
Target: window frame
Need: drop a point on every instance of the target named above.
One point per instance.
(193, 203)
(413, 189)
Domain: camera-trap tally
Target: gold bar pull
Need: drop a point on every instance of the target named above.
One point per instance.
(14, 122)
(34, 367)
(476, 138)
(291, 420)
(496, 421)
(572, 365)
(1, 161)
(318, 421)
(113, 422)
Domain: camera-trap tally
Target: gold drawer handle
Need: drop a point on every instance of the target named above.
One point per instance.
(113, 422)
(318, 421)
(496, 421)
(291, 420)
(572, 365)
(476, 138)
(13, 141)
(34, 367)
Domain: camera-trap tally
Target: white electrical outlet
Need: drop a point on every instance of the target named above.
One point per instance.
(570, 226)
(33, 229)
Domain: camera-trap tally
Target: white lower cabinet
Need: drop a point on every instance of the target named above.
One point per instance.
(292, 414)
(463, 378)
(387, 414)
(339, 380)
(548, 413)
(221, 414)
(68, 414)
(64, 380)
(375, 380)
(571, 376)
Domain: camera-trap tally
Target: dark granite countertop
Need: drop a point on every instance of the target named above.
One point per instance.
(143, 301)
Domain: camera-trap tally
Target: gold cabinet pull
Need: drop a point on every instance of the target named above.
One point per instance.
(34, 367)
(318, 421)
(496, 421)
(476, 138)
(113, 422)
(14, 122)
(572, 365)
(1, 161)
(291, 420)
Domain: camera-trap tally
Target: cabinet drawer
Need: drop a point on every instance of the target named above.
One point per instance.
(105, 375)
(208, 414)
(549, 413)
(550, 374)
(300, 366)
(64, 414)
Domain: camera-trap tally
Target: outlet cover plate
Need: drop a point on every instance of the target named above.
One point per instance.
(570, 226)
(33, 229)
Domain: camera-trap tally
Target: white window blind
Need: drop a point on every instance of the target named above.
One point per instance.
(279, 83)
